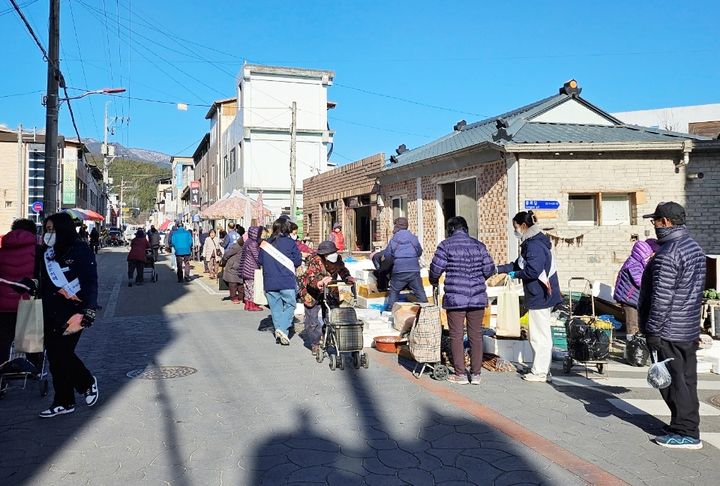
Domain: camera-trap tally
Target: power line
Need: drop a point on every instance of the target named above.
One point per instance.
(22, 94)
(82, 66)
(8, 10)
(407, 100)
(30, 30)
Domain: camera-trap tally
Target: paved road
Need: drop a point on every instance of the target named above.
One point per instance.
(257, 413)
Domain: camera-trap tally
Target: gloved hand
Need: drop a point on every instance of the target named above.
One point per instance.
(654, 342)
(30, 283)
(512, 275)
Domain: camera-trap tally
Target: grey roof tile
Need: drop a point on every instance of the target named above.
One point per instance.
(524, 131)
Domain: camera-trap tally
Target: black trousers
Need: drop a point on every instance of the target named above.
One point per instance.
(69, 374)
(681, 396)
(136, 266)
(7, 336)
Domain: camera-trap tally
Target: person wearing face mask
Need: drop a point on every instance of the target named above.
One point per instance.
(305, 250)
(337, 237)
(536, 268)
(69, 289)
(669, 311)
(322, 268)
(627, 285)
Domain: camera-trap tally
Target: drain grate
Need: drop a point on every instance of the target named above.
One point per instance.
(715, 400)
(161, 372)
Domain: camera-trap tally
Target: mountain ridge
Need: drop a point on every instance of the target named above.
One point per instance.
(153, 156)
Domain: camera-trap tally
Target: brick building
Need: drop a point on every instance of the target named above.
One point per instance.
(587, 175)
(348, 195)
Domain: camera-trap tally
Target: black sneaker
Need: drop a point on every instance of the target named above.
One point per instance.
(91, 396)
(56, 410)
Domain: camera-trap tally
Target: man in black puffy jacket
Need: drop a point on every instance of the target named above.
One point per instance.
(669, 313)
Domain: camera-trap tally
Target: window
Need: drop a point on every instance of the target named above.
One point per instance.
(606, 209)
(399, 207)
(459, 198)
(233, 161)
(225, 165)
(582, 208)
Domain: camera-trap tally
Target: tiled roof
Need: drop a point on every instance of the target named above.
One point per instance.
(522, 130)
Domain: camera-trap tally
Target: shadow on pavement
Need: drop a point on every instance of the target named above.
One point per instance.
(443, 448)
(116, 345)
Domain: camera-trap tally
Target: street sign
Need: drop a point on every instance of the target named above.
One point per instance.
(542, 204)
(37, 206)
(195, 193)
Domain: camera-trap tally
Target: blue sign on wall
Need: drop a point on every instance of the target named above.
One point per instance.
(541, 204)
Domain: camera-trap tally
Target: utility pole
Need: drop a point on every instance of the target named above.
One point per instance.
(50, 184)
(106, 163)
(293, 159)
(21, 176)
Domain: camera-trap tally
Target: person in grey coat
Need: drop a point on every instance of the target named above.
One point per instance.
(231, 270)
(669, 310)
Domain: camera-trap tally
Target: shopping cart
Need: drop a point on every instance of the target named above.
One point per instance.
(19, 367)
(425, 340)
(588, 343)
(343, 334)
(149, 267)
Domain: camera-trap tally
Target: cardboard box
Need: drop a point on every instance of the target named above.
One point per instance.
(404, 316)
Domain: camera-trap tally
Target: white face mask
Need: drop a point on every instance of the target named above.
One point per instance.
(49, 239)
(294, 237)
(332, 257)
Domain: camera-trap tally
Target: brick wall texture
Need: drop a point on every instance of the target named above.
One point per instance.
(601, 250)
(355, 179)
(491, 186)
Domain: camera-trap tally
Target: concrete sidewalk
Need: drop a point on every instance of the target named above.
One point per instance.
(235, 408)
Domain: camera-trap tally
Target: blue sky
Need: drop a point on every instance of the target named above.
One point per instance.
(473, 59)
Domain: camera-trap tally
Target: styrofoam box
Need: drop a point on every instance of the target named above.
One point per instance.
(514, 350)
(704, 366)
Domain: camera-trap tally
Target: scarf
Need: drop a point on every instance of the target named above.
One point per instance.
(68, 289)
(665, 232)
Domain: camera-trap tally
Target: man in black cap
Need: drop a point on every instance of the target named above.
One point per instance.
(669, 315)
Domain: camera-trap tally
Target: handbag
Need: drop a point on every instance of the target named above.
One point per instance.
(29, 334)
(508, 312)
(259, 288)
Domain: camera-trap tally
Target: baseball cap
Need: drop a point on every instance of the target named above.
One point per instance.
(670, 210)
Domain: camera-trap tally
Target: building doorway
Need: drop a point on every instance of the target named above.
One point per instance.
(362, 229)
(459, 198)
(329, 218)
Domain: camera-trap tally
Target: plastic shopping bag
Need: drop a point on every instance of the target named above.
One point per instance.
(29, 335)
(658, 374)
(508, 312)
(259, 289)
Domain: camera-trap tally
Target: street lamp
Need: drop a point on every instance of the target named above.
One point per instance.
(95, 91)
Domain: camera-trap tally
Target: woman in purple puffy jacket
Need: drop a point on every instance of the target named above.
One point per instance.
(627, 285)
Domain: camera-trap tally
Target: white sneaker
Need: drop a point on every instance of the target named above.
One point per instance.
(91, 396)
(54, 411)
(531, 377)
(282, 337)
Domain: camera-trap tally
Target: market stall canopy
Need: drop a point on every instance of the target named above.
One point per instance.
(84, 214)
(235, 206)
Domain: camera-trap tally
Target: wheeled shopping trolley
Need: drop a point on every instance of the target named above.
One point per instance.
(149, 269)
(425, 340)
(19, 368)
(588, 345)
(342, 335)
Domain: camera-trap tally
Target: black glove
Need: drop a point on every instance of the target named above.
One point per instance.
(88, 318)
(27, 282)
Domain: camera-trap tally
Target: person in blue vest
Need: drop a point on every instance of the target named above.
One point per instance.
(182, 244)
(279, 258)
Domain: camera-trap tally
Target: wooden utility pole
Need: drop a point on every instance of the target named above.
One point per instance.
(50, 184)
(21, 202)
(293, 160)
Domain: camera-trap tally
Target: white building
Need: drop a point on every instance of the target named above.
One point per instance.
(183, 171)
(255, 149)
(676, 119)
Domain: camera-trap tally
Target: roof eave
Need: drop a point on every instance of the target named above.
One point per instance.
(598, 147)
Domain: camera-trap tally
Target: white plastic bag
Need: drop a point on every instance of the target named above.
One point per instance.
(658, 375)
(29, 334)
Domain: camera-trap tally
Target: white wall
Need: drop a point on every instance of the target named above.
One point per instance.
(674, 119)
(572, 112)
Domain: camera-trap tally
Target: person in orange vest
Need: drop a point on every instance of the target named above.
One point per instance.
(338, 237)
